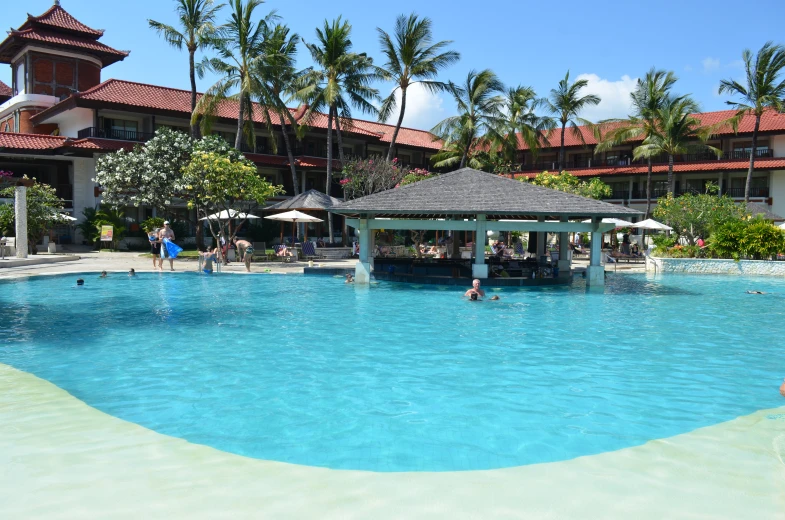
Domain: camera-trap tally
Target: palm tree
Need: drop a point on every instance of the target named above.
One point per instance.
(197, 30)
(411, 58)
(240, 49)
(340, 80)
(764, 90)
(565, 103)
(521, 123)
(479, 113)
(277, 77)
(675, 132)
(650, 95)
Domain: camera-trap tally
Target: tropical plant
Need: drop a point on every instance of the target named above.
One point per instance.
(764, 90)
(564, 104)
(363, 177)
(340, 80)
(568, 183)
(43, 212)
(277, 77)
(153, 223)
(108, 216)
(649, 96)
(520, 123)
(479, 116)
(216, 182)
(693, 215)
(451, 154)
(197, 31)
(240, 47)
(675, 133)
(412, 58)
(749, 238)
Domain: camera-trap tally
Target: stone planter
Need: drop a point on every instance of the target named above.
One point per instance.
(715, 266)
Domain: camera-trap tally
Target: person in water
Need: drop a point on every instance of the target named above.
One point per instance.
(475, 290)
(208, 257)
(755, 292)
(80, 282)
(782, 389)
(131, 272)
(349, 278)
(103, 274)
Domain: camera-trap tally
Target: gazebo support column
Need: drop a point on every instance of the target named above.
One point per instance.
(595, 273)
(20, 207)
(479, 268)
(564, 253)
(362, 270)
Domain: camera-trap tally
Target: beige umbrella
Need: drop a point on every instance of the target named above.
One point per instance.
(294, 217)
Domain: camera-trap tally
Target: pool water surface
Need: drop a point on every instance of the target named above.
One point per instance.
(393, 377)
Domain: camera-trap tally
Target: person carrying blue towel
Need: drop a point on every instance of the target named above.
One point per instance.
(169, 249)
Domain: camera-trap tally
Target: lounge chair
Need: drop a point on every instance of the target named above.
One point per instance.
(285, 258)
(518, 251)
(309, 250)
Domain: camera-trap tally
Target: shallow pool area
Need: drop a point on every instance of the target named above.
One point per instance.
(395, 378)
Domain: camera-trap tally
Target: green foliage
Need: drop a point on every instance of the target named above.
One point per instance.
(752, 238)
(152, 223)
(107, 216)
(566, 182)
(43, 212)
(692, 215)
(680, 251)
(363, 177)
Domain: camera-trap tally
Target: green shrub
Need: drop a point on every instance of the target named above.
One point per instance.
(152, 223)
(756, 239)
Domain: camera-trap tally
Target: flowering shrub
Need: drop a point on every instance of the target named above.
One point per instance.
(692, 215)
(417, 174)
(568, 183)
(363, 177)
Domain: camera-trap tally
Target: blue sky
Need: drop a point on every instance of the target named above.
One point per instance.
(609, 42)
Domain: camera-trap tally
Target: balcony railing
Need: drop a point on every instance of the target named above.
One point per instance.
(582, 162)
(110, 133)
(735, 193)
(738, 193)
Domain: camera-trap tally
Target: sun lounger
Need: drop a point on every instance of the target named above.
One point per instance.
(309, 250)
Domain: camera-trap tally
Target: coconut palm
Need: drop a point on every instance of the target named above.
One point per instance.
(340, 80)
(564, 104)
(240, 48)
(675, 133)
(412, 58)
(764, 90)
(197, 31)
(521, 123)
(649, 96)
(479, 116)
(277, 79)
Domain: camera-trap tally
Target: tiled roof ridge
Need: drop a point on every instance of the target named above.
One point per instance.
(73, 40)
(5, 90)
(58, 17)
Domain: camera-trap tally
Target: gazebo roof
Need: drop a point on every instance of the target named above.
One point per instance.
(311, 199)
(467, 192)
(764, 212)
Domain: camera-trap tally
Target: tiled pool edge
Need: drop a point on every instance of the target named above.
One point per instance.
(715, 266)
(64, 459)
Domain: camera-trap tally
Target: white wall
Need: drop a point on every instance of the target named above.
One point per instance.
(777, 144)
(777, 192)
(84, 195)
(75, 120)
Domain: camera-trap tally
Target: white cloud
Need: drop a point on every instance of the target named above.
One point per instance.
(710, 64)
(423, 108)
(615, 97)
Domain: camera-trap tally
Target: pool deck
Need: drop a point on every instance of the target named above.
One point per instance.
(63, 459)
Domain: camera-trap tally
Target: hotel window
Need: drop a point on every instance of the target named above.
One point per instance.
(697, 185)
(120, 128)
(746, 147)
(739, 183)
(405, 159)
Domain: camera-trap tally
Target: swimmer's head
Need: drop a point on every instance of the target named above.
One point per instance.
(80, 282)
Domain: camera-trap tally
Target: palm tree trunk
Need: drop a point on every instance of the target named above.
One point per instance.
(648, 190)
(195, 124)
(330, 169)
(398, 125)
(289, 153)
(748, 184)
(238, 140)
(465, 155)
(341, 158)
(670, 174)
(561, 148)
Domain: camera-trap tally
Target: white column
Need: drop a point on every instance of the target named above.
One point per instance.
(595, 273)
(479, 268)
(20, 213)
(362, 270)
(564, 253)
(719, 183)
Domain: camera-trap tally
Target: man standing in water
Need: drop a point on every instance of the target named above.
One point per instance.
(475, 290)
(167, 233)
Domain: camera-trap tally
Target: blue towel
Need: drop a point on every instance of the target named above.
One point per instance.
(172, 248)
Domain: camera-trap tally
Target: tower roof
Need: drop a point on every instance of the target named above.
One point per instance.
(57, 29)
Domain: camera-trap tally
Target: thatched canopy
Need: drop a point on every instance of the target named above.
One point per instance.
(311, 199)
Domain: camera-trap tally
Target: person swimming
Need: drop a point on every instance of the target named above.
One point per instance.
(349, 278)
(103, 274)
(132, 272)
(755, 292)
(80, 282)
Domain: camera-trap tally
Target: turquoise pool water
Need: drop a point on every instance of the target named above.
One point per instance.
(396, 378)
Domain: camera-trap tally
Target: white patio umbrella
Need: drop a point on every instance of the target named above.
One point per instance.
(782, 226)
(652, 224)
(617, 221)
(63, 216)
(228, 214)
(293, 216)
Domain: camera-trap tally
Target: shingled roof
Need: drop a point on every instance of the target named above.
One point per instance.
(311, 199)
(467, 192)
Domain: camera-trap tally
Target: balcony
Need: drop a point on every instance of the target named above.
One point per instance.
(583, 162)
(108, 133)
(735, 193)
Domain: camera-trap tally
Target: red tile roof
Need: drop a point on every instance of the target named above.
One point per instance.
(59, 18)
(30, 141)
(142, 95)
(108, 55)
(5, 90)
(771, 121)
(708, 166)
(314, 162)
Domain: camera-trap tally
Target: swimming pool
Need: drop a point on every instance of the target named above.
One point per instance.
(395, 378)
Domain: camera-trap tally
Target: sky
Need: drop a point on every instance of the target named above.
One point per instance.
(610, 43)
